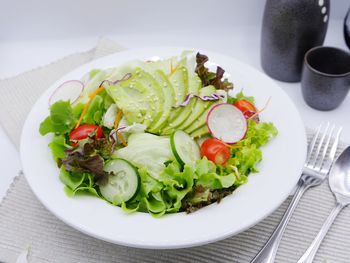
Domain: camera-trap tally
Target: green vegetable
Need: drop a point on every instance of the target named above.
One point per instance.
(88, 157)
(158, 174)
(240, 96)
(179, 79)
(211, 78)
(247, 155)
(177, 184)
(123, 182)
(77, 183)
(185, 149)
(209, 178)
(200, 132)
(95, 111)
(96, 78)
(199, 107)
(148, 187)
(259, 133)
(169, 100)
(58, 146)
(140, 97)
(61, 119)
(202, 119)
(147, 150)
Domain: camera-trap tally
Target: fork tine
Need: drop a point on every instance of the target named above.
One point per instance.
(313, 143)
(328, 164)
(315, 156)
(325, 149)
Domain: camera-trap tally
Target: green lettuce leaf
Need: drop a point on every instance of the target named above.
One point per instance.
(70, 179)
(95, 111)
(61, 119)
(149, 197)
(209, 178)
(259, 133)
(164, 195)
(246, 159)
(155, 204)
(240, 96)
(148, 183)
(177, 184)
(248, 154)
(147, 150)
(214, 181)
(58, 145)
(77, 110)
(77, 183)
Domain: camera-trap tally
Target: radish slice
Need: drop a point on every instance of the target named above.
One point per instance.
(69, 90)
(227, 123)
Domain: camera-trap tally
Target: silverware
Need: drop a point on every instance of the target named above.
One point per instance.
(318, 163)
(339, 182)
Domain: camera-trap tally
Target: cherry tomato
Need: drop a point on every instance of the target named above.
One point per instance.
(247, 108)
(215, 150)
(83, 131)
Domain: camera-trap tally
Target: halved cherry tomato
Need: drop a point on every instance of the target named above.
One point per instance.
(215, 150)
(247, 108)
(84, 131)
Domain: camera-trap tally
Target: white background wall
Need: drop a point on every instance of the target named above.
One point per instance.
(33, 19)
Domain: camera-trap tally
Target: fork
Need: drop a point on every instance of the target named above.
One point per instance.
(320, 157)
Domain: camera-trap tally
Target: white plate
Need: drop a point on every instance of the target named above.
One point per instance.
(282, 161)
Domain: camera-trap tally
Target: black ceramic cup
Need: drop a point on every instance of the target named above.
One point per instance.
(326, 77)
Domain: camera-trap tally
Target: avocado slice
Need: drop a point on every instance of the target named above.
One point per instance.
(169, 101)
(140, 97)
(201, 120)
(170, 74)
(201, 131)
(198, 108)
(130, 98)
(194, 86)
(179, 80)
(155, 97)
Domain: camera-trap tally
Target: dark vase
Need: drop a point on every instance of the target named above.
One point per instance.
(289, 29)
(347, 28)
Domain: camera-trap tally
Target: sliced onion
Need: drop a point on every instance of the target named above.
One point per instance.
(113, 136)
(67, 91)
(113, 133)
(252, 115)
(110, 82)
(212, 97)
(227, 123)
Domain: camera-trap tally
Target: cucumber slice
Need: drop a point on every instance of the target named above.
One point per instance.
(123, 184)
(185, 149)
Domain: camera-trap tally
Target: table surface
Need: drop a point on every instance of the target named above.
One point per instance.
(241, 42)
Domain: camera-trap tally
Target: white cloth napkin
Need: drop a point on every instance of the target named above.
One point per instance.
(24, 222)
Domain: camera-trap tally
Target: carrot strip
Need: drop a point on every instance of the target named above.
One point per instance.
(117, 119)
(260, 111)
(121, 138)
(86, 107)
(231, 146)
(172, 69)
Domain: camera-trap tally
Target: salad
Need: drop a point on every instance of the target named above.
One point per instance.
(160, 136)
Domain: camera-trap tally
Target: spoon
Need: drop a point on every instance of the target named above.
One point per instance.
(339, 182)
